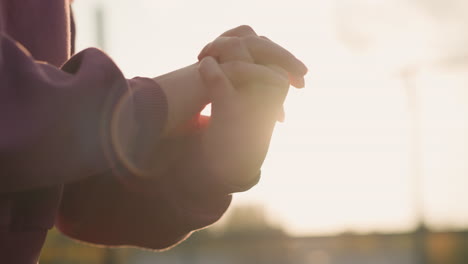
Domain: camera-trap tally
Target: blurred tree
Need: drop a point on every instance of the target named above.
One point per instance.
(61, 249)
(250, 220)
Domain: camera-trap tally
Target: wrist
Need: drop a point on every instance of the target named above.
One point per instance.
(137, 125)
(186, 95)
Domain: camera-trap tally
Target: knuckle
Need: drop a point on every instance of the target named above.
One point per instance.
(218, 41)
(249, 38)
(235, 71)
(234, 43)
(203, 69)
(245, 28)
(207, 72)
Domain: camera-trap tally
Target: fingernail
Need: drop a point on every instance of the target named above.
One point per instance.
(303, 68)
(301, 83)
(297, 81)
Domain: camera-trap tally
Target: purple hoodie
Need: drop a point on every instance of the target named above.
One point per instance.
(58, 165)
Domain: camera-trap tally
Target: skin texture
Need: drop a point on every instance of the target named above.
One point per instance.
(60, 162)
(186, 96)
(187, 93)
(243, 43)
(246, 99)
(246, 78)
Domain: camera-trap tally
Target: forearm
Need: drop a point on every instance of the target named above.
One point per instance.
(63, 125)
(186, 95)
(154, 213)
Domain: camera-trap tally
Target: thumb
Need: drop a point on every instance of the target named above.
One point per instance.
(218, 85)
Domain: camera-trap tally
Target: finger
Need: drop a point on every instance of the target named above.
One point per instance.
(240, 31)
(243, 74)
(229, 49)
(218, 85)
(284, 74)
(297, 81)
(281, 114)
(265, 51)
(203, 52)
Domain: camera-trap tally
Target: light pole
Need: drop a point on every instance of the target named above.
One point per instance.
(416, 163)
(416, 154)
(100, 26)
(110, 256)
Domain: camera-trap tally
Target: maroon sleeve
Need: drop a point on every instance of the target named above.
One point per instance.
(56, 123)
(57, 128)
(146, 213)
(155, 213)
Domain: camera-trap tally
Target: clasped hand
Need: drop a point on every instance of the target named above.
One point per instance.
(246, 79)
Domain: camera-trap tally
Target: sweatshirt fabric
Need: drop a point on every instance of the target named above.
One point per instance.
(60, 164)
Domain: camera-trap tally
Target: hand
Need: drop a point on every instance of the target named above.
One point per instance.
(246, 99)
(243, 44)
(186, 95)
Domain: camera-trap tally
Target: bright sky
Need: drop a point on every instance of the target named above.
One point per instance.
(341, 160)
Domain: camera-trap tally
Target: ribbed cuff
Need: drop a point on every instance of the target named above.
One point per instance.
(148, 109)
(150, 105)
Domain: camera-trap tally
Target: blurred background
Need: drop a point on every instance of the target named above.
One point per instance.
(371, 163)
